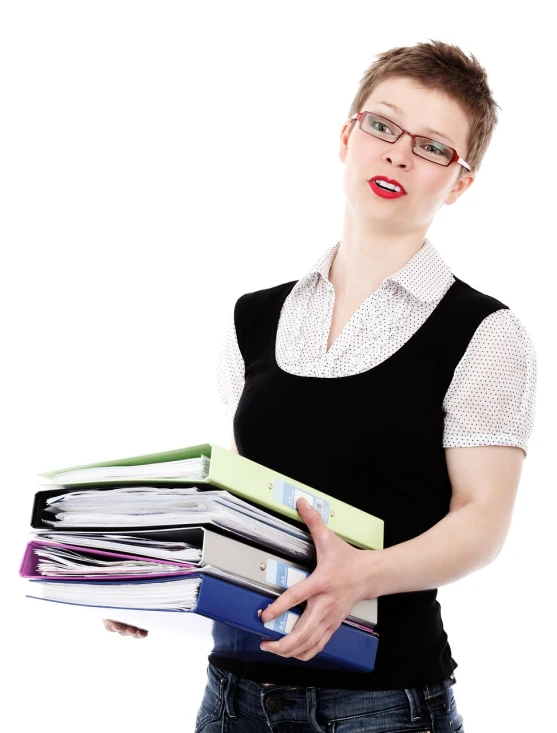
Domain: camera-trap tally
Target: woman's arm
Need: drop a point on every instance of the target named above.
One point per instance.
(233, 444)
(484, 482)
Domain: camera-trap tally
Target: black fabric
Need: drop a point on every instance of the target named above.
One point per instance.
(374, 440)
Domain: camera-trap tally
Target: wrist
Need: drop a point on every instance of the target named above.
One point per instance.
(369, 574)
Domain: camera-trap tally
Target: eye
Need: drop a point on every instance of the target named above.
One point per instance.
(378, 124)
(435, 149)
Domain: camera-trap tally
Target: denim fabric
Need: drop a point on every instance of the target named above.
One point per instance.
(232, 704)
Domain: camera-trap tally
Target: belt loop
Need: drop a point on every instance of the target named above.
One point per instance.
(414, 701)
(439, 689)
(228, 682)
(434, 690)
(448, 683)
(311, 703)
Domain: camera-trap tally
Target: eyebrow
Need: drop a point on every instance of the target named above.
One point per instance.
(429, 130)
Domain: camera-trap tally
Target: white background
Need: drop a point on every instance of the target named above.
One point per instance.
(161, 159)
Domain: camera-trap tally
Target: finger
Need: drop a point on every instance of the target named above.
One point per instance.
(284, 647)
(133, 631)
(292, 597)
(307, 630)
(317, 527)
(307, 512)
(124, 629)
(112, 625)
(318, 647)
(319, 635)
(310, 643)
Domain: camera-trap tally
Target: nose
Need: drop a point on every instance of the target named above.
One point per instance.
(400, 152)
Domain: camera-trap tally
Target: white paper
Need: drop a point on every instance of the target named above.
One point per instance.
(188, 468)
(149, 506)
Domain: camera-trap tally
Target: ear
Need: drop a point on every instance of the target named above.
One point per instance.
(459, 188)
(344, 135)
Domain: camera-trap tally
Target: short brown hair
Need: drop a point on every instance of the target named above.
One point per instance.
(444, 68)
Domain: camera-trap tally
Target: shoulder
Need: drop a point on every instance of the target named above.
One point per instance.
(500, 323)
(465, 293)
(502, 337)
(249, 305)
(252, 310)
(265, 294)
(492, 396)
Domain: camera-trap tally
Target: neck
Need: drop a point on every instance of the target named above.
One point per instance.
(365, 258)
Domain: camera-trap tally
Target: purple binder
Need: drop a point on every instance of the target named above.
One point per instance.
(29, 564)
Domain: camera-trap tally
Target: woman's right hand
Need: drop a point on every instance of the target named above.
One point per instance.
(124, 629)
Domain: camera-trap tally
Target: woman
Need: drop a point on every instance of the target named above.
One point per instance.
(383, 379)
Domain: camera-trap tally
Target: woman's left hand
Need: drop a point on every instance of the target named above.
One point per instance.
(331, 591)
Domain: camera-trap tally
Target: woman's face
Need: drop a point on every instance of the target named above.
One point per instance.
(428, 185)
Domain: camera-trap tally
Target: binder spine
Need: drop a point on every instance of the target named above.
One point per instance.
(231, 604)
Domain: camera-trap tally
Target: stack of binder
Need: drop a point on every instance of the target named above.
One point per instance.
(196, 530)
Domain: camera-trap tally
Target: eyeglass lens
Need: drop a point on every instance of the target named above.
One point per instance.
(424, 147)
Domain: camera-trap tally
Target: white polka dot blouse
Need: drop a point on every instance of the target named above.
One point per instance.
(491, 399)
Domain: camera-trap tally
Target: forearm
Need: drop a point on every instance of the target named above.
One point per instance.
(463, 541)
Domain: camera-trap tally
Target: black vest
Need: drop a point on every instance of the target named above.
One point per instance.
(374, 440)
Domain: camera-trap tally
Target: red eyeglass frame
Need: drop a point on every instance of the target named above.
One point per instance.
(455, 159)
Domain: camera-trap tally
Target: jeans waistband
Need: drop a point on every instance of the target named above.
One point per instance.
(419, 699)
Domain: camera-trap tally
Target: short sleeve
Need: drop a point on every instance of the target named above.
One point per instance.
(492, 397)
(230, 370)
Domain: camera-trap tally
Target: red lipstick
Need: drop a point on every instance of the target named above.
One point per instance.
(384, 192)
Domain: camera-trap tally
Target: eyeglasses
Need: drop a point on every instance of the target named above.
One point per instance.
(390, 132)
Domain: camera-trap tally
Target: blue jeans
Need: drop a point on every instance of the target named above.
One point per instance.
(232, 704)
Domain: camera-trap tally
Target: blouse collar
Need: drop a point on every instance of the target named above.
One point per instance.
(426, 276)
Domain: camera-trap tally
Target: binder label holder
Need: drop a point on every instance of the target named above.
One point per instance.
(288, 494)
(283, 575)
(284, 623)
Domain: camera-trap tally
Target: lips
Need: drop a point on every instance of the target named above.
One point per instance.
(384, 192)
(388, 180)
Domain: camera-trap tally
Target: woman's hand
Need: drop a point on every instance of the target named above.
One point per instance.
(124, 629)
(340, 580)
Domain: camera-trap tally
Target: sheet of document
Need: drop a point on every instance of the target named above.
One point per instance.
(156, 595)
(62, 561)
(149, 506)
(188, 468)
(133, 544)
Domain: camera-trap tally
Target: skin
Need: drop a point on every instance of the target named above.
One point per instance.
(124, 629)
(379, 237)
